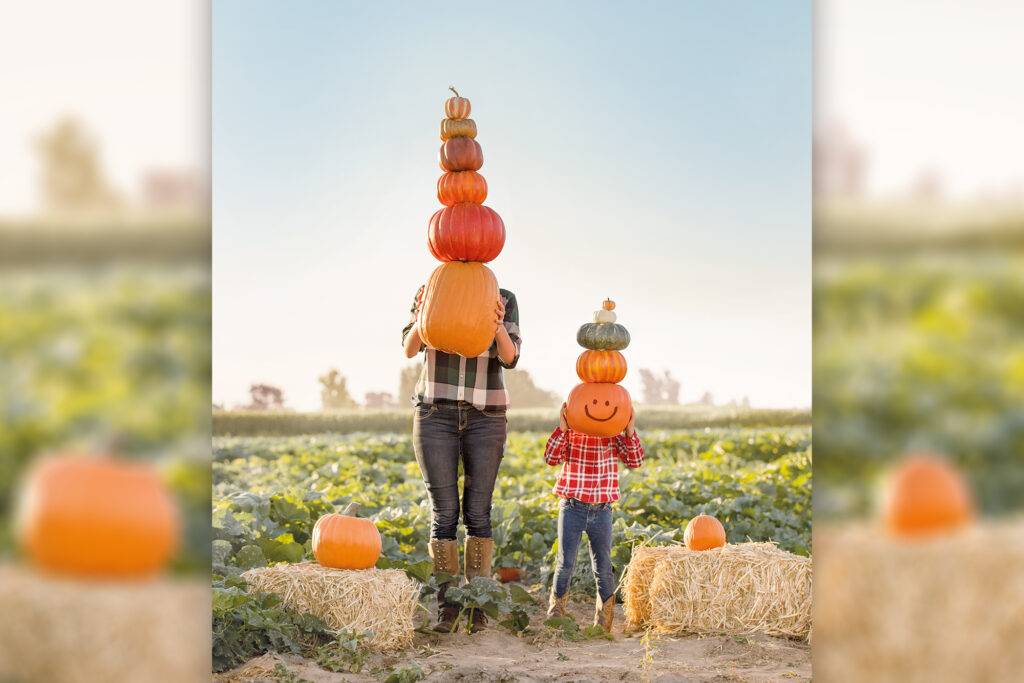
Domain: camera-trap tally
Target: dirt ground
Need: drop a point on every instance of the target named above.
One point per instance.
(497, 655)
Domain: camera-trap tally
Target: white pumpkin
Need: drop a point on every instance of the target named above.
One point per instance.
(603, 316)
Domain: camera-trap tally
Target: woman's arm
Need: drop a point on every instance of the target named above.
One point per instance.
(506, 332)
(411, 341)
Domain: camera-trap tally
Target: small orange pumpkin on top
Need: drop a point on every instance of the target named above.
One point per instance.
(345, 541)
(926, 495)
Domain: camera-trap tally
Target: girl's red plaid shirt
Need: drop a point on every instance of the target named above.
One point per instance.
(590, 470)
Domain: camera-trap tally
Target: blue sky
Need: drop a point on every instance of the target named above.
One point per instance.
(656, 153)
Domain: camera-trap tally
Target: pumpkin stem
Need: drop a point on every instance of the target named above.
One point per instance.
(452, 88)
(352, 510)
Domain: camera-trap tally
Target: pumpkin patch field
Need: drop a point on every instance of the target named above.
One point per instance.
(268, 492)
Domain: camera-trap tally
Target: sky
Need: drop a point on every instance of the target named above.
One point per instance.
(135, 73)
(655, 153)
(926, 85)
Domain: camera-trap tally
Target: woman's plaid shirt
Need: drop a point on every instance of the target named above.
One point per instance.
(450, 378)
(590, 469)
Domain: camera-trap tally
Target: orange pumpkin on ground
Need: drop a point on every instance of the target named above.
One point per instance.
(457, 315)
(456, 107)
(601, 366)
(704, 532)
(460, 154)
(458, 128)
(98, 517)
(598, 408)
(466, 232)
(345, 541)
(926, 495)
(508, 574)
(461, 186)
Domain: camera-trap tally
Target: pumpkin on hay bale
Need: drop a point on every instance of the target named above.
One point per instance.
(736, 589)
(379, 600)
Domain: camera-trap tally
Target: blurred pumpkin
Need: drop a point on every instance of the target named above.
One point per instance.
(925, 495)
(456, 107)
(598, 408)
(704, 532)
(345, 541)
(601, 366)
(508, 574)
(458, 128)
(466, 232)
(461, 186)
(97, 516)
(458, 311)
(460, 154)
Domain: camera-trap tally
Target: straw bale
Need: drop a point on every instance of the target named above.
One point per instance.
(946, 608)
(66, 630)
(738, 589)
(379, 600)
(636, 584)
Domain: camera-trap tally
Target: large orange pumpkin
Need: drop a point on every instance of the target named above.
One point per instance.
(456, 107)
(704, 532)
(457, 315)
(466, 232)
(598, 408)
(460, 154)
(925, 495)
(97, 517)
(461, 186)
(345, 541)
(458, 128)
(601, 366)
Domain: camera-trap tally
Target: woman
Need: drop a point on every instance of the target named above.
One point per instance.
(460, 411)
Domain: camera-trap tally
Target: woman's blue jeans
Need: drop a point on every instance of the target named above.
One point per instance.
(575, 517)
(442, 433)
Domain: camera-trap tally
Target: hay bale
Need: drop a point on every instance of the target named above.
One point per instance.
(636, 584)
(379, 600)
(738, 589)
(949, 608)
(65, 630)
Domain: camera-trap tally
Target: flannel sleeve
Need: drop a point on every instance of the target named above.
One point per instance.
(512, 325)
(557, 447)
(629, 450)
(412, 316)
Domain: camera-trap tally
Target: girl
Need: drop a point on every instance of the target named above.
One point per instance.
(588, 485)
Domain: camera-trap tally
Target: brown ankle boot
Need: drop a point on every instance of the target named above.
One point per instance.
(556, 605)
(445, 554)
(478, 563)
(604, 613)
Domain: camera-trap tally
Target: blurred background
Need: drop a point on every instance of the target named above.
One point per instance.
(918, 344)
(105, 321)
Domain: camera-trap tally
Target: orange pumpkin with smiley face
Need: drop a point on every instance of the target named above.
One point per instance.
(598, 408)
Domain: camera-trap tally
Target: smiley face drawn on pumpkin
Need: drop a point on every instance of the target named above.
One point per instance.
(598, 408)
(586, 409)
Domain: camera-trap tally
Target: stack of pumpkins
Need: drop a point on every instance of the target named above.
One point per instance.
(600, 406)
(457, 311)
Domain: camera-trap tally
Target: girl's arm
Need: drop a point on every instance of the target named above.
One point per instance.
(628, 446)
(558, 443)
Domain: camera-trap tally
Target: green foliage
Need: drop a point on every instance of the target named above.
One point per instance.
(409, 673)
(109, 359)
(511, 608)
(246, 624)
(919, 353)
(567, 629)
(520, 419)
(345, 653)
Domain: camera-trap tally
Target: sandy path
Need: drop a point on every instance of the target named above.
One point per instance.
(496, 655)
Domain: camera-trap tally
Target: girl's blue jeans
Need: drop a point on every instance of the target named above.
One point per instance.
(575, 517)
(442, 434)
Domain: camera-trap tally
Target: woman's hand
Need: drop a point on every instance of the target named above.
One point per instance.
(631, 425)
(562, 424)
(499, 318)
(506, 348)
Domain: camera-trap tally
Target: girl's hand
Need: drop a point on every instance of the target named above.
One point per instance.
(562, 424)
(499, 317)
(631, 425)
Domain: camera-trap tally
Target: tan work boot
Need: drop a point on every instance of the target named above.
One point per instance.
(604, 613)
(445, 554)
(478, 563)
(556, 605)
